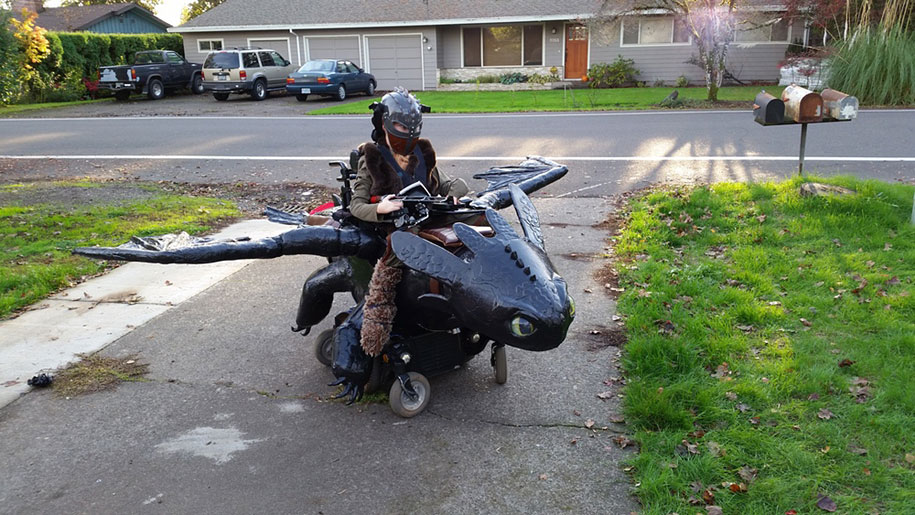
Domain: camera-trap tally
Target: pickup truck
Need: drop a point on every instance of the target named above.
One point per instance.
(151, 74)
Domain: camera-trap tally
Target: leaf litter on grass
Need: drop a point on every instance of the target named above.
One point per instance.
(780, 287)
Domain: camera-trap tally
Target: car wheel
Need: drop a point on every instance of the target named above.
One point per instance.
(341, 92)
(370, 91)
(197, 85)
(122, 95)
(259, 91)
(155, 89)
(221, 96)
(301, 98)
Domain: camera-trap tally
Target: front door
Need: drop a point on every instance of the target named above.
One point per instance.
(576, 64)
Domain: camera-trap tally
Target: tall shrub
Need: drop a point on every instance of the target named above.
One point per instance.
(9, 71)
(877, 66)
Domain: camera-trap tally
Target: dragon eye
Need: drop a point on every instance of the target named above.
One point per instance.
(522, 327)
(571, 307)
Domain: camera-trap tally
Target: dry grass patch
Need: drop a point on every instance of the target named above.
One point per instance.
(94, 373)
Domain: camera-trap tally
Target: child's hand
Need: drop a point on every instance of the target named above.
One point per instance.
(388, 205)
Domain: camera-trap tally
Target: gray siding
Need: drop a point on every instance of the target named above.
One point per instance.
(748, 62)
(281, 41)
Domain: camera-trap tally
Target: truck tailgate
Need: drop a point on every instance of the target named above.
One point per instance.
(114, 74)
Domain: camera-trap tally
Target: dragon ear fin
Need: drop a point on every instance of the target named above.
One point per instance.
(428, 258)
(527, 214)
(473, 240)
(504, 231)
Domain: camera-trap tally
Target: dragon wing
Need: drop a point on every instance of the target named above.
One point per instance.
(324, 240)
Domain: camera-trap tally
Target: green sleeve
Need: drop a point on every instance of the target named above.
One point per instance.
(361, 205)
(450, 187)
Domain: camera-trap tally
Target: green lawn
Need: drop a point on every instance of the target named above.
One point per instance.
(771, 348)
(9, 110)
(559, 100)
(36, 235)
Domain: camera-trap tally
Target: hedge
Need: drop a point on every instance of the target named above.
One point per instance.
(86, 52)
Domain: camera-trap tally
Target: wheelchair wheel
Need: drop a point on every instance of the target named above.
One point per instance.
(324, 347)
(402, 404)
(500, 364)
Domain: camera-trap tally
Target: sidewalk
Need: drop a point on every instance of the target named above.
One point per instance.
(91, 315)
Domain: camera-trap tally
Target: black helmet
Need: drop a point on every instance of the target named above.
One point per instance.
(399, 106)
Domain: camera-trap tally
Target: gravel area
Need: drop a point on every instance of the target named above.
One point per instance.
(276, 104)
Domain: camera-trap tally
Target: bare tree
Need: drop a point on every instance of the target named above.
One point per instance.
(712, 24)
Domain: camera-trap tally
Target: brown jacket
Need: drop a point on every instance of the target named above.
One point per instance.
(375, 177)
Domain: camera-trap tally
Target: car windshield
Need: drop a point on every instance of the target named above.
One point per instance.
(222, 60)
(318, 66)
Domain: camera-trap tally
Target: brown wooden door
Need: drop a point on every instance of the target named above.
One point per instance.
(576, 51)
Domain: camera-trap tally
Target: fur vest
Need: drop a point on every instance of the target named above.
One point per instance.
(385, 180)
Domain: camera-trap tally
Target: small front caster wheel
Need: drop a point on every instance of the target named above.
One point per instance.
(402, 404)
(500, 364)
(324, 347)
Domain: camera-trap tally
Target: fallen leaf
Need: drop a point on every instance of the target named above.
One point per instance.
(693, 500)
(587, 290)
(846, 363)
(543, 477)
(754, 421)
(708, 496)
(589, 423)
(622, 441)
(761, 218)
(747, 473)
(617, 419)
(813, 397)
(696, 486)
(576, 413)
(697, 434)
(714, 510)
(893, 282)
(825, 414)
(910, 458)
(887, 247)
(743, 408)
(857, 450)
(731, 396)
(605, 395)
(791, 512)
(826, 504)
(715, 449)
(806, 322)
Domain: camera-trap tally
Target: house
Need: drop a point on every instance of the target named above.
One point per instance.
(123, 18)
(415, 43)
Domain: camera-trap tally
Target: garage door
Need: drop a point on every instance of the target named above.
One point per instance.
(280, 45)
(340, 48)
(396, 61)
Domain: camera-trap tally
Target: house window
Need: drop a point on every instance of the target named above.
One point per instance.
(751, 32)
(504, 45)
(655, 30)
(209, 45)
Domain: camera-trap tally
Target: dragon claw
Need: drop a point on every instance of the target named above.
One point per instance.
(354, 391)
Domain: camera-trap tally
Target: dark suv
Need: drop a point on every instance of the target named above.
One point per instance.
(255, 71)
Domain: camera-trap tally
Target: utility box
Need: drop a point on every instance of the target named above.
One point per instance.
(768, 110)
(802, 105)
(838, 105)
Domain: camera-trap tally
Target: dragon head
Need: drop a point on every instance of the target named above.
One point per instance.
(505, 287)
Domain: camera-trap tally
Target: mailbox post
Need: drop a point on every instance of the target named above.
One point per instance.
(802, 106)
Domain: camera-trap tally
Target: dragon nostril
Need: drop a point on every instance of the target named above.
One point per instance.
(533, 278)
(520, 264)
(514, 255)
(508, 248)
(527, 271)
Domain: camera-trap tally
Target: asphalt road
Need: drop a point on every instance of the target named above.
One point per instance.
(235, 417)
(607, 152)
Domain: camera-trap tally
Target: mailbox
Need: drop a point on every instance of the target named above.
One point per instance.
(838, 105)
(768, 110)
(802, 105)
